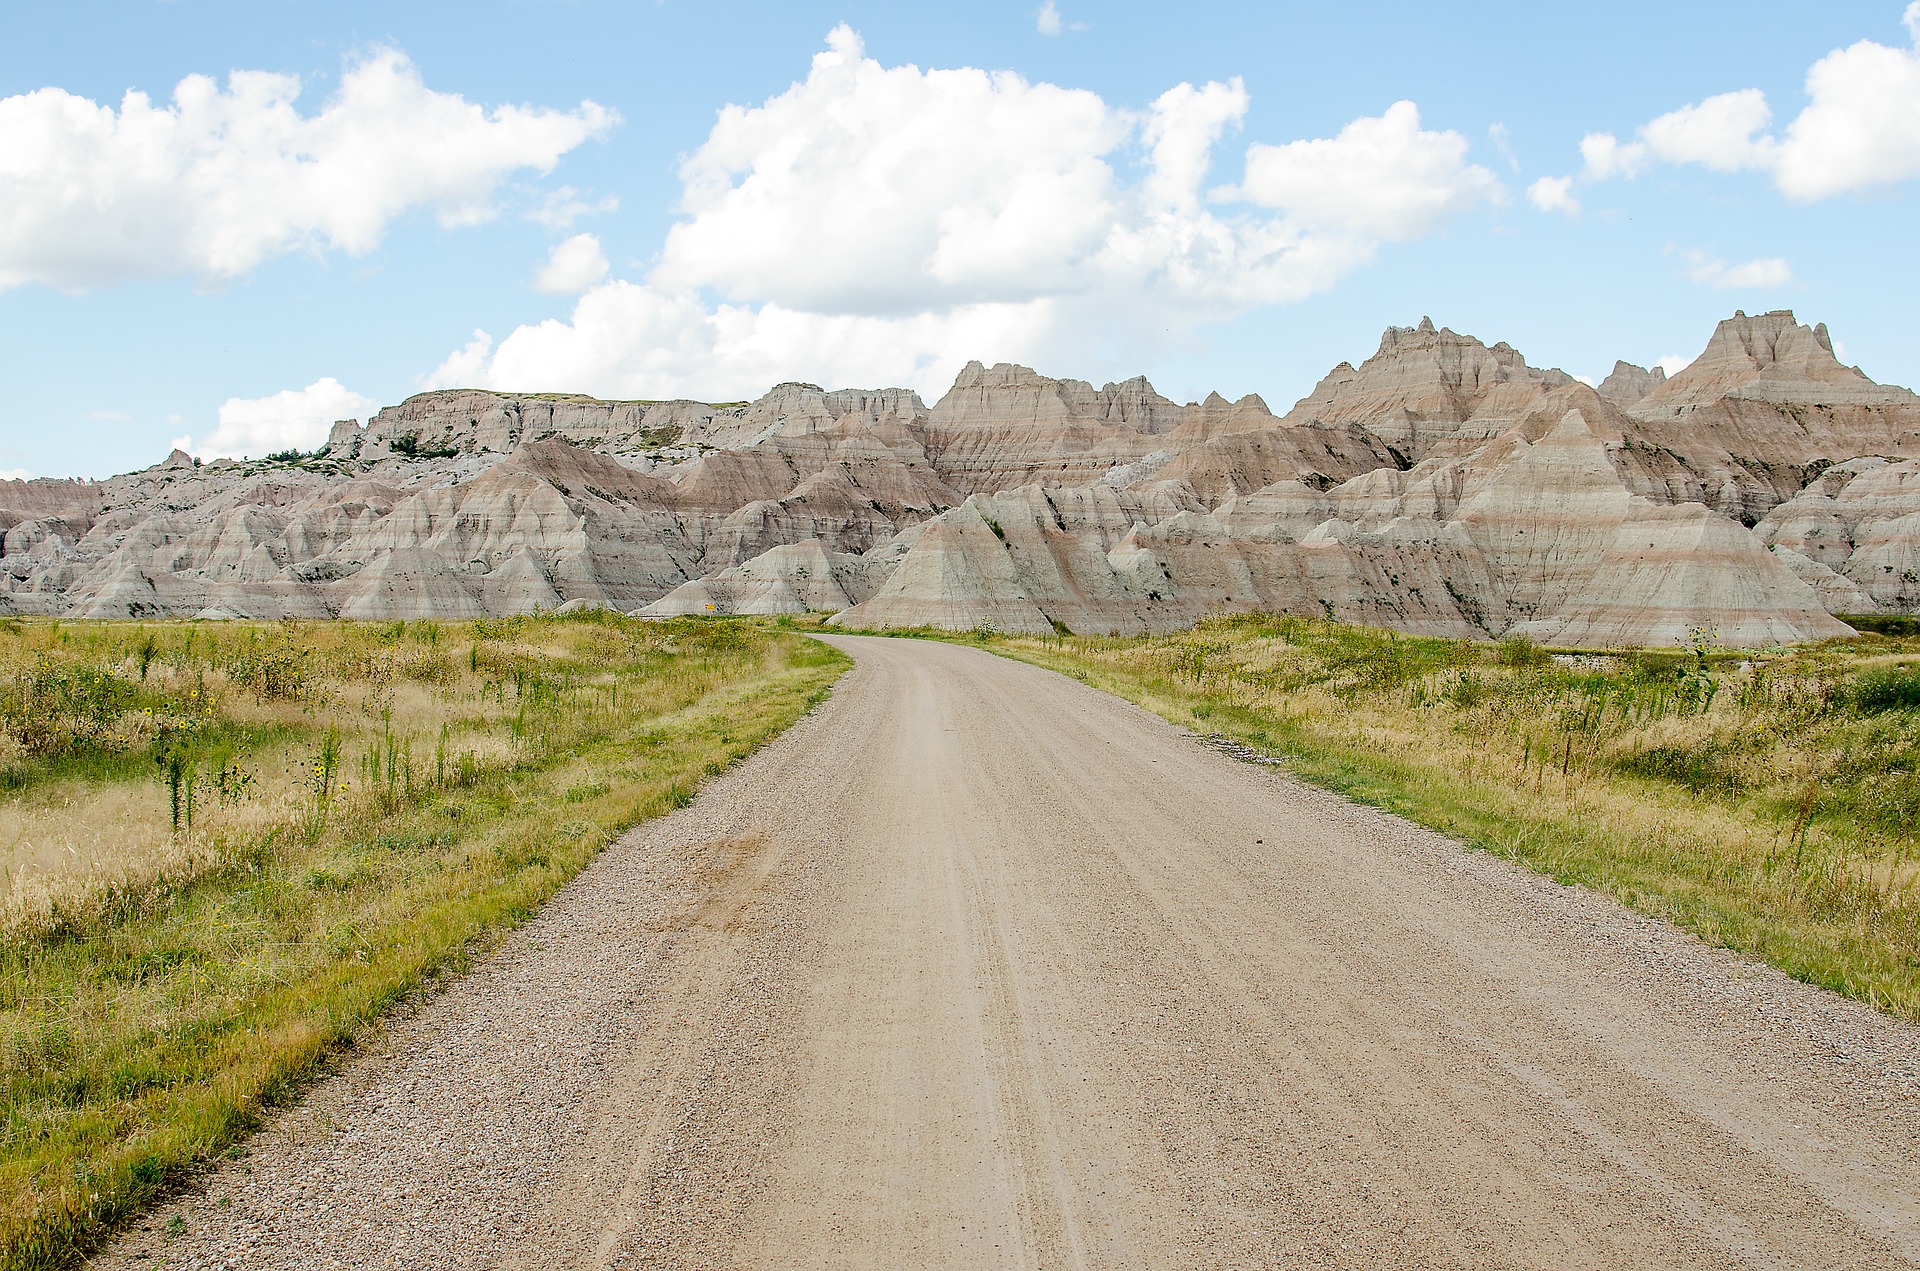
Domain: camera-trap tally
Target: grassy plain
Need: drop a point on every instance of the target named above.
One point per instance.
(1769, 802)
(227, 847)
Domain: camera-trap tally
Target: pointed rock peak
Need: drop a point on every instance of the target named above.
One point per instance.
(970, 375)
(1427, 351)
(1138, 384)
(1016, 373)
(1627, 383)
(1572, 426)
(1427, 339)
(1214, 402)
(1768, 348)
(784, 397)
(999, 375)
(1766, 339)
(1253, 401)
(178, 459)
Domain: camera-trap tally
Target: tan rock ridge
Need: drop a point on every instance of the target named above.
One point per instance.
(1770, 358)
(1441, 486)
(1429, 390)
(1761, 413)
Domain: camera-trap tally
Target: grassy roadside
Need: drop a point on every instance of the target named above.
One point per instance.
(374, 809)
(1768, 802)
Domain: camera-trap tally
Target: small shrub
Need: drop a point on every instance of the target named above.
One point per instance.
(1656, 666)
(1883, 624)
(275, 669)
(1520, 652)
(52, 707)
(1466, 691)
(408, 444)
(1689, 766)
(590, 790)
(1886, 689)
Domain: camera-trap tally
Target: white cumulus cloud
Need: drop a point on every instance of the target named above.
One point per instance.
(1860, 128)
(574, 265)
(296, 419)
(1181, 133)
(888, 223)
(630, 340)
(1382, 178)
(1554, 194)
(1722, 133)
(884, 224)
(875, 189)
(222, 179)
(1708, 271)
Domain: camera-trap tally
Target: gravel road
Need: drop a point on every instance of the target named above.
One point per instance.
(977, 967)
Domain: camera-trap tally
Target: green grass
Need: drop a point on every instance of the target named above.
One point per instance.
(1769, 802)
(146, 1023)
(1883, 624)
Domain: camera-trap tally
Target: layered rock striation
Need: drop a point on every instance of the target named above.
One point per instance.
(1441, 486)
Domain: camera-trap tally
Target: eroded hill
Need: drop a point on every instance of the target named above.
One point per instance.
(1442, 486)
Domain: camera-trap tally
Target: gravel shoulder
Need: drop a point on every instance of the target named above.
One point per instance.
(979, 967)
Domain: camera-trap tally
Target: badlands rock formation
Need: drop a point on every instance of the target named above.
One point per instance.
(1442, 486)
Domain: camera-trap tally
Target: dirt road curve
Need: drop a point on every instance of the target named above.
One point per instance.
(979, 968)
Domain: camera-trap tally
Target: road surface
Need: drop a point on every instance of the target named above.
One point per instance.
(977, 967)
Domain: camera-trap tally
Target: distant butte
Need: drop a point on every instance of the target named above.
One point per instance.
(1442, 486)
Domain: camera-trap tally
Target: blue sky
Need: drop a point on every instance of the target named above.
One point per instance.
(353, 193)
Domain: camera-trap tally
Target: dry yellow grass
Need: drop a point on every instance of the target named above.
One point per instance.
(409, 703)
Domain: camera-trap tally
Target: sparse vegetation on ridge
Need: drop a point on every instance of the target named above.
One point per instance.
(230, 846)
(1769, 802)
